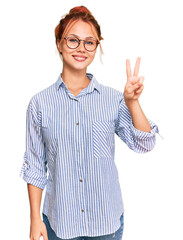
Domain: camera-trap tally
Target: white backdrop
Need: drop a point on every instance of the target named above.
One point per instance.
(151, 183)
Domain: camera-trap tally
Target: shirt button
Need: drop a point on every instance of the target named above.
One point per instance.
(82, 210)
(77, 123)
(81, 180)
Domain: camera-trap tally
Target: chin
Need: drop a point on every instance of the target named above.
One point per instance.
(80, 65)
(79, 68)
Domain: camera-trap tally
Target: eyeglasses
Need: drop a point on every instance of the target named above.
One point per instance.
(73, 42)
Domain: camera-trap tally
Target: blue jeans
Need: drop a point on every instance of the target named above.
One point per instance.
(114, 236)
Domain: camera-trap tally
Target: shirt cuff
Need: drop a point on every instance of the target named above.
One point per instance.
(144, 135)
(32, 177)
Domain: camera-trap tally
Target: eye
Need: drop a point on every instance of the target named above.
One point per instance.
(73, 40)
(90, 42)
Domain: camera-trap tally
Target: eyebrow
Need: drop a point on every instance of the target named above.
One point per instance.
(79, 37)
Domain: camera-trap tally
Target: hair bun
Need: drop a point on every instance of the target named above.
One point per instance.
(80, 9)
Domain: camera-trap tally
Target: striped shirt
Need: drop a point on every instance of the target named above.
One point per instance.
(70, 148)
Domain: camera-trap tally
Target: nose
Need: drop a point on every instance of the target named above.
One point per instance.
(81, 46)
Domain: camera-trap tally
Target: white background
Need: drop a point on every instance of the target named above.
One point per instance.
(151, 183)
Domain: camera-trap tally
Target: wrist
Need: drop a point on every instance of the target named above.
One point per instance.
(35, 216)
(132, 104)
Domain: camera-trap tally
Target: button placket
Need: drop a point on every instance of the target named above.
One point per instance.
(79, 158)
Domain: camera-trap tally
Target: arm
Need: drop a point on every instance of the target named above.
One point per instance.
(139, 119)
(37, 227)
(132, 92)
(35, 195)
(137, 140)
(34, 168)
(132, 126)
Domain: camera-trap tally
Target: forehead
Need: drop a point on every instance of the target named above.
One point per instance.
(82, 29)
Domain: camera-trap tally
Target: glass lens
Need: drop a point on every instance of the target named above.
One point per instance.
(72, 42)
(90, 44)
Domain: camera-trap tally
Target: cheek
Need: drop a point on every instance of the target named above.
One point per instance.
(67, 54)
(91, 56)
(67, 51)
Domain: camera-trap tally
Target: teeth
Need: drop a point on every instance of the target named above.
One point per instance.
(79, 58)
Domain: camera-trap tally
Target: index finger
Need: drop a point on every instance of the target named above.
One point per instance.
(128, 68)
(136, 69)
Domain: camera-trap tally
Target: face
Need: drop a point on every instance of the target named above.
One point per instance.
(83, 30)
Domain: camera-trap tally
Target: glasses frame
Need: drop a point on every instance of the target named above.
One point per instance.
(79, 41)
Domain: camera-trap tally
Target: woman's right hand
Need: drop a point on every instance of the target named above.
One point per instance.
(38, 229)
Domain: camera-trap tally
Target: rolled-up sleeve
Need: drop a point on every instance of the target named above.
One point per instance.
(136, 140)
(34, 168)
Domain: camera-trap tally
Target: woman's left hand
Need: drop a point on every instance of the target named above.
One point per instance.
(134, 85)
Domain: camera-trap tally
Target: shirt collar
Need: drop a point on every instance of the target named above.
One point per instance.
(94, 84)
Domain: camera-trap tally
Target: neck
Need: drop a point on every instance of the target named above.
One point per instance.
(75, 79)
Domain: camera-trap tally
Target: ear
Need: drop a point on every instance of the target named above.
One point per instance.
(59, 45)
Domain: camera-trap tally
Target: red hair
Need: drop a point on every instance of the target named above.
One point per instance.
(77, 13)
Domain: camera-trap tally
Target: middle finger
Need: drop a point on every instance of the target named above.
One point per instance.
(137, 65)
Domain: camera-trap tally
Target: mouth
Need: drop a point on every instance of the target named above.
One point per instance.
(79, 58)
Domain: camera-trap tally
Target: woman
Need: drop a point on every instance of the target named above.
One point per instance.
(70, 134)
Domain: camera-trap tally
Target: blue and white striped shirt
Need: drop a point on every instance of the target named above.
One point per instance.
(72, 139)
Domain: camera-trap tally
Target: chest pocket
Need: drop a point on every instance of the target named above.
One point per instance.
(103, 138)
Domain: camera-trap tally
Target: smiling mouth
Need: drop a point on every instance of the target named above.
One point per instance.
(79, 59)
